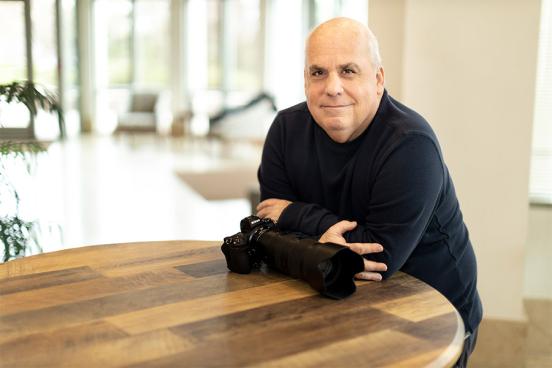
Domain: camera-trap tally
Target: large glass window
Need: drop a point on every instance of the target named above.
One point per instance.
(151, 44)
(113, 32)
(235, 47)
(13, 57)
(326, 9)
(13, 60)
(43, 15)
(46, 46)
(69, 69)
(214, 36)
(132, 43)
(45, 61)
(244, 48)
(285, 49)
(132, 39)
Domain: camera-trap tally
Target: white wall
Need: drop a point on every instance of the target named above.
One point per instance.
(387, 19)
(469, 67)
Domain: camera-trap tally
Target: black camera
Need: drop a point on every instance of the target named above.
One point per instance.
(328, 268)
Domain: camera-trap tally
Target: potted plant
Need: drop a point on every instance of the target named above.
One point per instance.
(16, 233)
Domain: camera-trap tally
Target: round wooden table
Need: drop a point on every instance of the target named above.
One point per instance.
(174, 303)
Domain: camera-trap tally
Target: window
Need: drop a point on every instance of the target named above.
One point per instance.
(235, 49)
(132, 43)
(243, 47)
(131, 50)
(44, 44)
(151, 59)
(13, 60)
(69, 66)
(13, 56)
(326, 9)
(541, 163)
(284, 51)
(214, 37)
(113, 32)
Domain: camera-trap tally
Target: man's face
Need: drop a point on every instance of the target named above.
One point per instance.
(342, 88)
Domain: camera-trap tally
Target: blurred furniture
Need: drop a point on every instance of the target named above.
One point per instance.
(148, 112)
(174, 303)
(249, 121)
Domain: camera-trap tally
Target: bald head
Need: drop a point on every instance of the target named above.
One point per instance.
(340, 31)
(344, 80)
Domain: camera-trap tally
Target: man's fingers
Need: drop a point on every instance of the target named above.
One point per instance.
(343, 226)
(335, 233)
(263, 212)
(371, 268)
(374, 266)
(372, 276)
(266, 203)
(365, 248)
(272, 208)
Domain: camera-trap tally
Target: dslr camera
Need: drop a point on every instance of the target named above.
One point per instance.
(327, 267)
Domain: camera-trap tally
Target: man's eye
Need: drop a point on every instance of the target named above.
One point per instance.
(317, 73)
(348, 71)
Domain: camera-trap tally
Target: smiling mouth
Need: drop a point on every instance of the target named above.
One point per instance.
(335, 106)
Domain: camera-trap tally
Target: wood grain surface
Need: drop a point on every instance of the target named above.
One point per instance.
(174, 304)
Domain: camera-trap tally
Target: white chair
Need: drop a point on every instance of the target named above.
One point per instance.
(148, 112)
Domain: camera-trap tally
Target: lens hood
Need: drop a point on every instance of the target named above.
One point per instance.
(327, 267)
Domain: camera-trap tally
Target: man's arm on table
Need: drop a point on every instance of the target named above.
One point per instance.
(277, 191)
(403, 198)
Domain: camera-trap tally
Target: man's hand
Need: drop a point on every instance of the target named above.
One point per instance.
(272, 208)
(335, 235)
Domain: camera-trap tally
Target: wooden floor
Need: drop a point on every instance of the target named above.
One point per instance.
(509, 344)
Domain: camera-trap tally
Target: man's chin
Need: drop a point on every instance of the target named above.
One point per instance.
(335, 130)
(340, 136)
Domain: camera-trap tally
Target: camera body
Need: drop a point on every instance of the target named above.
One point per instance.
(241, 250)
(328, 268)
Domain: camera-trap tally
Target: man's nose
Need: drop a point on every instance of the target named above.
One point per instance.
(333, 85)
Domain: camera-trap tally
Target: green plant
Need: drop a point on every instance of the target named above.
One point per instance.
(31, 95)
(16, 234)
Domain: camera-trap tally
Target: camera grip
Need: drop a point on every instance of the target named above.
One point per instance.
(238, 254)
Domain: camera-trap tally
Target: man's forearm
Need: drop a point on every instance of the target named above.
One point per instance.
(307, 218)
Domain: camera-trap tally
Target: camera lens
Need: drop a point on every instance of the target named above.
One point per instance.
(327, 267)
(330, 270)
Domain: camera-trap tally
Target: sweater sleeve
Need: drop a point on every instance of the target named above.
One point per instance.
(402, 201)
(272, 175)
(306, 218)
(309, 218)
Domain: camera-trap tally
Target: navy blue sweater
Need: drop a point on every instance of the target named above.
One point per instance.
(392, 180)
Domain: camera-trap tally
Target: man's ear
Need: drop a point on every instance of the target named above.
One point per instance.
(380, 80)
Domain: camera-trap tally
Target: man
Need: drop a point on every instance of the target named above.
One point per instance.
(354, 166)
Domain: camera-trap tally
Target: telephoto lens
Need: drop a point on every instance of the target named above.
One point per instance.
(328, 268)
